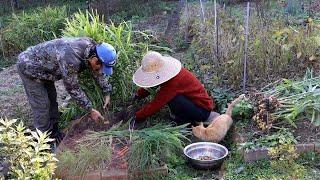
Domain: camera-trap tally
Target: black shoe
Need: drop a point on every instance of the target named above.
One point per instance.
(59, 137)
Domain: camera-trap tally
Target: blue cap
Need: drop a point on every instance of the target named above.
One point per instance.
(107, 54)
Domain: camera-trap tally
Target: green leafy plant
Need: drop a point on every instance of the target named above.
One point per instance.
(283, 156)
(289, 100)
(27, 152)
(236, 168)
(149, 146)
(26, 29)
(68, 114)
(221, 98)
(283, 136)
(242, 110)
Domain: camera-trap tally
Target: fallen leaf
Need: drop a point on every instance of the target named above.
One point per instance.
(299, 54)
(234, 39)
(312, 58)
(205, 67)
(230, 62)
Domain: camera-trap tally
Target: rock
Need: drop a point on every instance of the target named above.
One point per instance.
(240, 169)
(4, 169)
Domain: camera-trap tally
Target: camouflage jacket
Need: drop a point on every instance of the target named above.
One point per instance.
(62, 59)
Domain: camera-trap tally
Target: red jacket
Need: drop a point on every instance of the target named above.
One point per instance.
(184, 83)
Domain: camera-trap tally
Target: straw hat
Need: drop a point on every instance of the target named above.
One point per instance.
(156, 69)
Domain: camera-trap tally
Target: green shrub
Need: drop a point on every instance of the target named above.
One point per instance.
(127, 9)
(242, 110)
(27, 29)
(26, 151)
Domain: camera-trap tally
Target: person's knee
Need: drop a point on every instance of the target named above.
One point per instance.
(178, 99)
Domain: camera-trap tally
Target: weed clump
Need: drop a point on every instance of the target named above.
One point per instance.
(25, 29)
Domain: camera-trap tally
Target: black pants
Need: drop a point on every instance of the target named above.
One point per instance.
(186, 111)
(42, 97)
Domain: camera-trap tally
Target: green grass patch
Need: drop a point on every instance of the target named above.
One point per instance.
(305, 167)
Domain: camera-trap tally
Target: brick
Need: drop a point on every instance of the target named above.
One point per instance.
(159, 171)
(301, 148)
(254, 155)
(238, 138)
(115, 174)
(95, 175)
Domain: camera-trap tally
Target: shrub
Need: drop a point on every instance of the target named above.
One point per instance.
(26, 151)
(121, 10)
(26, 29)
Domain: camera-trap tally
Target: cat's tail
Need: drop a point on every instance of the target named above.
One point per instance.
(235, 101)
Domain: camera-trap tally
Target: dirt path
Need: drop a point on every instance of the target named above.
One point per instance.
(13, 100)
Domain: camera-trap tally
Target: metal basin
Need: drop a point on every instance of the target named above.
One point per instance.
(205, 155)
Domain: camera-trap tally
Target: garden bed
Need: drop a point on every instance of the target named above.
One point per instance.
(114, 168)
(306, 134)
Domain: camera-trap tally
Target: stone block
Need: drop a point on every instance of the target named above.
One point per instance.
(302, 148)
(116, 174)
(254, 155)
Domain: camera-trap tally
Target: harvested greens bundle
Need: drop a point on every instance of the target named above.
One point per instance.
(148, 146)
(288, 100)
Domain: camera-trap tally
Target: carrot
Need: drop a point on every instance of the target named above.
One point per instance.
(123, 151)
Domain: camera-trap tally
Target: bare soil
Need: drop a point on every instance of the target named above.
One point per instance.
(306, 132)
(13, 100)
(81, 127)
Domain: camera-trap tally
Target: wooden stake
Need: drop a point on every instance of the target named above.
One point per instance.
(202, 13)
(216, 28)
(186, 33)
(309, 10)
(246, 48)
(1, 42)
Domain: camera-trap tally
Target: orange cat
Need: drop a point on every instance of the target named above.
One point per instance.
(219, 127)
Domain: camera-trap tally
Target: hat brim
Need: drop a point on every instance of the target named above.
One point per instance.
(107, 70)
(169, 70)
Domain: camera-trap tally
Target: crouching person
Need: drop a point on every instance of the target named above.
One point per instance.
(41, 65)
(179, 89)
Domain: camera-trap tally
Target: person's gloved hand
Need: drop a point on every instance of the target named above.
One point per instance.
(106, 101)
(96, 115)
(135, 98)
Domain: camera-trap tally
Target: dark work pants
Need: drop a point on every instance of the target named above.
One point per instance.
(42, 97)
(186, 111)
